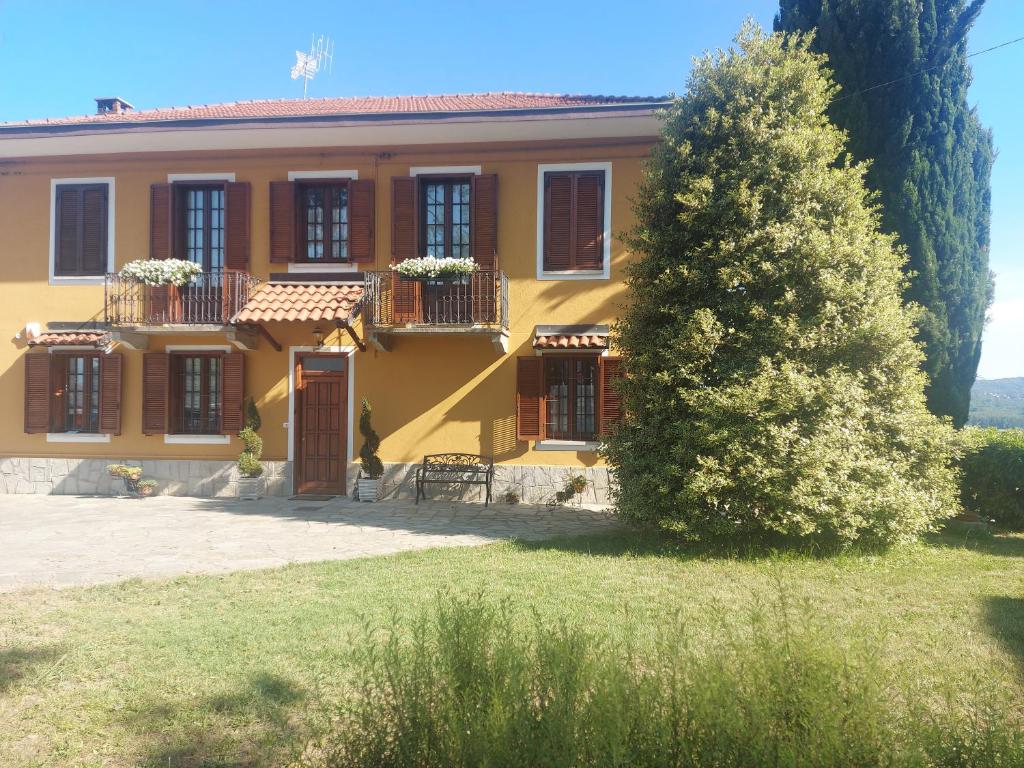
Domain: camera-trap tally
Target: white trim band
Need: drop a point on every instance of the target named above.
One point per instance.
(76, 437)
(300, 175)
(197, 439)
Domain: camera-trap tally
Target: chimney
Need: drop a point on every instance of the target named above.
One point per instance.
(112, 104)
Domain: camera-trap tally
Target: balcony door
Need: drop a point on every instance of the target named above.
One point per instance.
(202, 236)
(321, 423)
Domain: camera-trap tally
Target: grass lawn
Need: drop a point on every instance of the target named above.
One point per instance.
(222, 670)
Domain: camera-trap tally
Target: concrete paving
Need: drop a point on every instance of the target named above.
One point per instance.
(62, 541)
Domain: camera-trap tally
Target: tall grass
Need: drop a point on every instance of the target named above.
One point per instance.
(467, 684)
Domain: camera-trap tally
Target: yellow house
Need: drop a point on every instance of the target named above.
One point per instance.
(296, 214)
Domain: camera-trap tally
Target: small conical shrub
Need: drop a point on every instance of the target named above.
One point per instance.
(371, 463)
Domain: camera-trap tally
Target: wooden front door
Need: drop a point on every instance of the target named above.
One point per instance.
(321, 428)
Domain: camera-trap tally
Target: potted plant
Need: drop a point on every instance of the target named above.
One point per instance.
(132, 477)
(249, 465)
(434, 271)
(368, 484)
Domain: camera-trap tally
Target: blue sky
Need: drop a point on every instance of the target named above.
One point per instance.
(55, 56)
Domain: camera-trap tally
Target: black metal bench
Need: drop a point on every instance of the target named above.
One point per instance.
(451, 468)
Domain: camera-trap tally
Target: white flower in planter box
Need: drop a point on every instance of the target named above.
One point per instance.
(430, 267)
(161, 271)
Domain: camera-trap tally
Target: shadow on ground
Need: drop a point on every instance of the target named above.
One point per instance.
(248, 726)
(649, 541)
(1005, 617)
(21, 662)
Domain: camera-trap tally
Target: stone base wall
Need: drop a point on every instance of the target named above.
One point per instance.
(175, 477)
(533, 483)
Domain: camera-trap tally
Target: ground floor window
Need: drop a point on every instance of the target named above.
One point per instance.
(80, 393)
(570, 390)
(196, 394)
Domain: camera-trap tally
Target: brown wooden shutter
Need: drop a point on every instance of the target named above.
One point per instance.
(361, 212)
(160, 221)
(483, 211)
(68, 236)
(588, 237)
(37, 393)
(404, 245)
(94, 230)
(156, 379)
(282, 222)
(110, 393)
(232, 393)
(557, 221)
(611, 401)
(238, 207)
(529, 398)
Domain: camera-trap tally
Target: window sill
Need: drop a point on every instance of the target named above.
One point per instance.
(76, 280)
(574, 274)
(76, 437)
(197, 439)
(580, 446)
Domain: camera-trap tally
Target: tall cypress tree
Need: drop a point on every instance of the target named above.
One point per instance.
(931, 160)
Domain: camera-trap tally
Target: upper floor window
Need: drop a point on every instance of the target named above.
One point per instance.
(80, 229)
(322, 229)
(201, 224)
(573, 222)
(445, 217)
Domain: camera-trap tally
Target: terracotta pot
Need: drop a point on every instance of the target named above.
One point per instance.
(147, 490)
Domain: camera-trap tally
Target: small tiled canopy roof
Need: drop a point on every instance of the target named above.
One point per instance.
(286, 302)
(569, 341)
(70, 339)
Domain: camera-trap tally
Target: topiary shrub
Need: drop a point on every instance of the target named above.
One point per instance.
(372, 466)
(773, 385)
(992, 479)
(249, 464)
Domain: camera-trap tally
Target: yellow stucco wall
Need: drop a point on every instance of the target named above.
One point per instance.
(430, 394)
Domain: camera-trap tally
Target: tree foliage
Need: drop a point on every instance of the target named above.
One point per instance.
(931, 160)
(773, 383)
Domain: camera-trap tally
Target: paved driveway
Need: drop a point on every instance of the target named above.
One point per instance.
(69, 540)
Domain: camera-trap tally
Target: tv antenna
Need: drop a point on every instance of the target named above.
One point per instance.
(319, 58)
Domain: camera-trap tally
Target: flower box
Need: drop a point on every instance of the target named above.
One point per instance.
(441, 271)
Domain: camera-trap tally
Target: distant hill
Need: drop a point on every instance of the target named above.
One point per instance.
(998, 403)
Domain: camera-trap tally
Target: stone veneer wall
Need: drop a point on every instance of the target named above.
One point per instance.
(174, 477)
(535, 484)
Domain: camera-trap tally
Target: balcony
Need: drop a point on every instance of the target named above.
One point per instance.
(396, 306)
(208, 303)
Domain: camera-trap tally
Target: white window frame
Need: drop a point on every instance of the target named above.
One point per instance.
(300, 267)
(55, 279)
(170, 439)
(576, 274)
(444, 170)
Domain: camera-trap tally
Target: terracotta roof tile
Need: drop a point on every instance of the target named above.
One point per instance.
(70, 338)
(350, 105)
(282, 302)
(591, 341)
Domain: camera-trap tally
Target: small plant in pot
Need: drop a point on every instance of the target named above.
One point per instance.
(249, 465)
(134, 484)
(368, 484)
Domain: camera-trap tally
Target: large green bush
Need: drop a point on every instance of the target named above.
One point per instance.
(773, 381)
(469, 685)
(992, 481)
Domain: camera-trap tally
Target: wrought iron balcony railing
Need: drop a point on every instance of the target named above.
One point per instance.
(394, 301)
(212, 298)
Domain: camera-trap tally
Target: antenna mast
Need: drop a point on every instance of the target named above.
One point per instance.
(320, 57)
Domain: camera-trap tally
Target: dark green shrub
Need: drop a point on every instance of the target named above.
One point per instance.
(368, 459)
(992, 483)
(249, 460)
(252, 415)
(467, 684)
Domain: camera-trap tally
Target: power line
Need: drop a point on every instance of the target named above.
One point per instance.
(922, 71)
